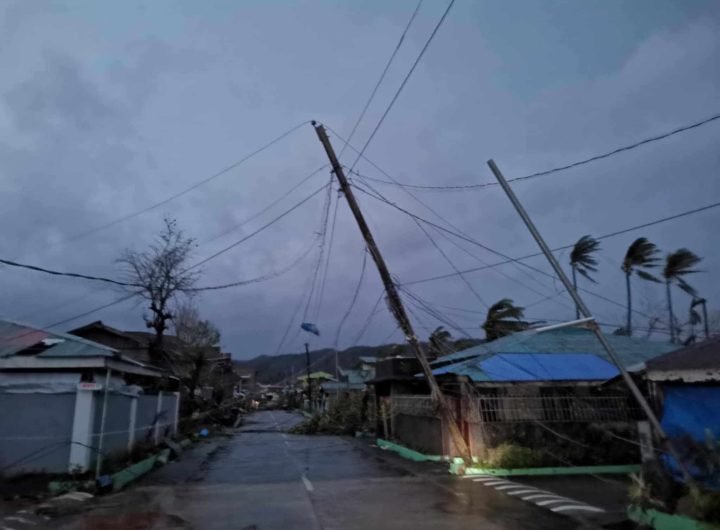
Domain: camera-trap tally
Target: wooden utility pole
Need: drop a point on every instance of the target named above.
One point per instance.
(394, 300)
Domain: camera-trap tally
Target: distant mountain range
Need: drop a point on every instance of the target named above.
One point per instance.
(277, 368)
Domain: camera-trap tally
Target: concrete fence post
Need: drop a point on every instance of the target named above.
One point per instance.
(82, 431)
(158, 418)
(132, 422)
(176, 414)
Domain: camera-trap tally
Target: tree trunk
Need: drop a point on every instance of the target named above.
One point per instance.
(574, 279)
(670, 311)
(629, 303)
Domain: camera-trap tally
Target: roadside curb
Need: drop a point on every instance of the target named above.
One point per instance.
(407, 453)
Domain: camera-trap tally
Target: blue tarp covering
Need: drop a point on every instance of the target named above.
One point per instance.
(692, 411)
(533, 367)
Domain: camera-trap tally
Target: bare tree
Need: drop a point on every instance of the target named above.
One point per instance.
(159, 274)
(198, 341)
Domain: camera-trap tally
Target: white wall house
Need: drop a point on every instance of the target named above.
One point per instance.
(65, 400)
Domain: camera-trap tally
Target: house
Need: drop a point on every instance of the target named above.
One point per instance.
(351, 379)
(630, 350)
(535, 400)
(684, 386)
(536, 389)
(395, 379)
(66, 399)
(136, 345)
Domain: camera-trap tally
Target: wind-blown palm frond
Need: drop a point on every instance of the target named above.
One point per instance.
(505, 309)
(503, 318)
(641, 253)
(647, 276)
(581, 256)
(680, 263)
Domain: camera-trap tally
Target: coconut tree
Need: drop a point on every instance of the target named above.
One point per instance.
(640, 255)
(503, 318)
(678, 264)
(582, 260)
(439, 341)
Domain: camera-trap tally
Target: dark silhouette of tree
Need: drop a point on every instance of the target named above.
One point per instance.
(504, 318)
(160, 274)
(678, 264)
(440, 342)
(582, 260)
(640, 255)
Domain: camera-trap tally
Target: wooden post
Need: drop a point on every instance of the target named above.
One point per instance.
(393, 297)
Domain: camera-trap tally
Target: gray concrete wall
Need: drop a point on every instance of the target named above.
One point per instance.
(117, 423)
(422, 433)
(146, 411)
(36, 426)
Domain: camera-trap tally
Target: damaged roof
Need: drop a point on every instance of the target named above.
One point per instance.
(532, 367)
(21, 339)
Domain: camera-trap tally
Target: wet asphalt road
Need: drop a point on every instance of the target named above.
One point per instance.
(263, 478)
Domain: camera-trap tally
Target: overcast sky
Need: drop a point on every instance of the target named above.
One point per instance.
(109, 107)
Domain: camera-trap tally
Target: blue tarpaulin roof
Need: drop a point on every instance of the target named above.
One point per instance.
(630, 350)
(510, 367)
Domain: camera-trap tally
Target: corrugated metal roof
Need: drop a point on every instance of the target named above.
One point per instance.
(566, 340)
(15, 338)
(369, 359)
(517, 367)
(703, 355)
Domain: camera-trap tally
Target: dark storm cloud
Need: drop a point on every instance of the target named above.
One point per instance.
(108, 109)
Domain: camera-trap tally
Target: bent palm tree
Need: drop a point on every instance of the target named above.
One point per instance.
(641, 254)
(582, 260)
(503, 318)
(677, 265)
(439, 341)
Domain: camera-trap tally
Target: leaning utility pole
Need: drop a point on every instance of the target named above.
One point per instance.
(394, 300)
(584, 311)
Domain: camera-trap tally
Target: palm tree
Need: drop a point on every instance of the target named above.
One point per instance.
(678, 264)
(641, 254)
(582, 260)
(439, 341)
(503, 318)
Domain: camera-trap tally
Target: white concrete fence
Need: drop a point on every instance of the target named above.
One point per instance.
(65, 432)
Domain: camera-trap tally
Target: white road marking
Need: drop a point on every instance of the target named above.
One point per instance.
(19, 519)
(481, 479)
(584, 507)
(308, 484)
(561, 499)
(495, 483)
(540, 496)
(520, 492)
(508, 486)
(7, 528)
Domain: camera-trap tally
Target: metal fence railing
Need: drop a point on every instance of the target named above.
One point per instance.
(492, 409)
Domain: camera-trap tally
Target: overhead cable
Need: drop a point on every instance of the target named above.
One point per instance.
(474, 242)
(564, 247)
(382, 76)
(404, 82)
(263, 278)
(266, 208)
(190, 188)
(66, 274)
(353, 300)
(571, 165)
(263, 227)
